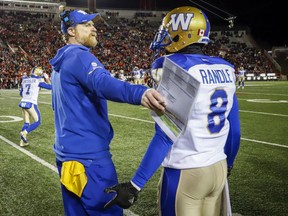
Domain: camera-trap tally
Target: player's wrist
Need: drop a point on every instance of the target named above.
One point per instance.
(135, 186)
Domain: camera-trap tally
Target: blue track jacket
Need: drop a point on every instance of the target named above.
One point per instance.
(81, 87)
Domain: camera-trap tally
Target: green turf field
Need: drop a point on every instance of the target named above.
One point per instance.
(258, 184)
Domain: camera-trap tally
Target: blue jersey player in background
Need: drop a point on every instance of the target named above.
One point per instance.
(196, 164)
(81, 87)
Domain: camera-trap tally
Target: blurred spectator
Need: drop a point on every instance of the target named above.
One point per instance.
(124, 43)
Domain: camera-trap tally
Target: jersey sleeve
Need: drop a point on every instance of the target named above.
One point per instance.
(233, 140)
(45, 85)
(155, 154)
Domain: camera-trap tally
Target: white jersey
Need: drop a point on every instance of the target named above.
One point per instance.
(202, 141)
(241, 72)
(137, 74)
(30, 89)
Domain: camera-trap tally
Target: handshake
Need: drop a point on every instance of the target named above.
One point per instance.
(126, 195)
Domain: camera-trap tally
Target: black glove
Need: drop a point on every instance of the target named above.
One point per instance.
(229, 171)
(126, 195)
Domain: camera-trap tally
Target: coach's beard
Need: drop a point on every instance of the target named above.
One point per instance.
(91, 41)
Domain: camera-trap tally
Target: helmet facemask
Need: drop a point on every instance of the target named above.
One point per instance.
(161, 40)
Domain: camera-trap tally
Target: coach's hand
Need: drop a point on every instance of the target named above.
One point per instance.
(126, 195)
(153, 100)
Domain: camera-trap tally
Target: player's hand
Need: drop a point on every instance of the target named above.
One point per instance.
(126, 195)
(45, 75)
(46, 78)
(153, 100)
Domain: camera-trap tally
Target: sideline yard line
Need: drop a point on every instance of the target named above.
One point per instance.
(152, 122)
(265, 143)
(136, 119)
(266, 94)
(247, 111)
(127, 212)
(246, 139)
(264, 113)
(34, 157)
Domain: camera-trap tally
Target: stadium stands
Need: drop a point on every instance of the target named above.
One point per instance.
(35, 36)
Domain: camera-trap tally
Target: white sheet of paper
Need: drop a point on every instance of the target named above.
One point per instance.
(179, 89)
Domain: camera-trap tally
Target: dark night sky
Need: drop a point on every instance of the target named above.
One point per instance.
(267, 19)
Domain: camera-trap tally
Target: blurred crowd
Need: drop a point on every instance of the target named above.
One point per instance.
(28, 40)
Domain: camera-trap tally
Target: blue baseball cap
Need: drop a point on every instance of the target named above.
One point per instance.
(72, 18)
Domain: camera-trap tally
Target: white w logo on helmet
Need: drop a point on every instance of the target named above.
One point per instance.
(180, 20)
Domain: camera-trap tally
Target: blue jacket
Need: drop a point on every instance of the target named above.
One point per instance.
(81, 87)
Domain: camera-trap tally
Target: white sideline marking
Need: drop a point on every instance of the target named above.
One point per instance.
(48, 165)
(250, 140)
(264, 113)
(129, 213)
(267, 94)
(265, 143)
(136, 119)
(34, 157)
(144, 108)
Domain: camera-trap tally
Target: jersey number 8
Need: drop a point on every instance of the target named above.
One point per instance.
(218, 110)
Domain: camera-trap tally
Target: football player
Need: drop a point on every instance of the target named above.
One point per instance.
(241, 77)
(197, 162)
(29, 91)
(137, 75)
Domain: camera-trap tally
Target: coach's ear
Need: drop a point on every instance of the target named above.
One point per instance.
(71, 31)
